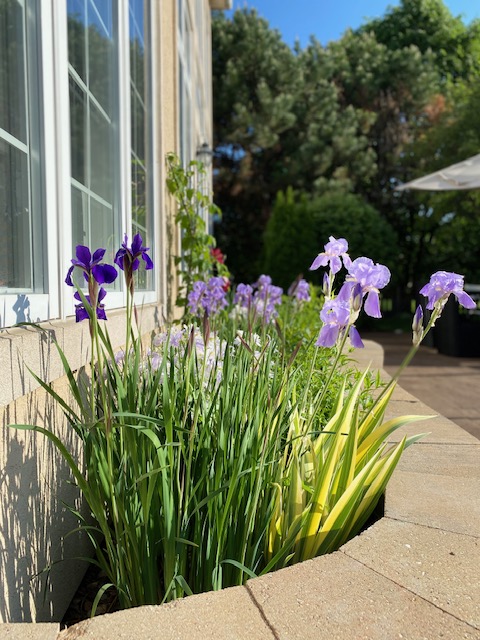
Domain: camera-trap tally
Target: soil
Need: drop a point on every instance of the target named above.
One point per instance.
(82, 603)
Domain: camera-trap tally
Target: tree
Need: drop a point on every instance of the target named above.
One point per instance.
(279, 122)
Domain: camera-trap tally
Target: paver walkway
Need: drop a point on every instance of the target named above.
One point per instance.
(448, 385)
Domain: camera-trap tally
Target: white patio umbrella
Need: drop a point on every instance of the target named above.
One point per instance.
(463, 175)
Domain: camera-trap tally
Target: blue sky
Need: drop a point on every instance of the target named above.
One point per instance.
(328, 19)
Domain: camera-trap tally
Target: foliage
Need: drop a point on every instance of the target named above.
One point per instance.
(289, 238)
(429, 25)
(222, 453)
(299, 222)
(359, 115)
(279, 121)
(197, 260)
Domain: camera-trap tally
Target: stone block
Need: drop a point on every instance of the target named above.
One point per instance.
(338, 598)
(439, 566)
(437, 501)
(230, 614)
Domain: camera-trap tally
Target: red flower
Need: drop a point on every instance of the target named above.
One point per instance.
(217, 255)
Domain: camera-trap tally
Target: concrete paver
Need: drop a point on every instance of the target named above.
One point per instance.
(457, 461)
(437, 501)
(439, 566)
(338, 598)
(230, 614)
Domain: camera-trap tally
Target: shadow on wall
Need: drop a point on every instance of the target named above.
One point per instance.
(34, 487)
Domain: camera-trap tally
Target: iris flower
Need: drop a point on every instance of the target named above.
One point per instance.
(95, 273)
(82, 314)
(127, 258)
(91, 266)
(441, 285)
(207, 296)
(334, 251)
(335, 316)
(371, 277)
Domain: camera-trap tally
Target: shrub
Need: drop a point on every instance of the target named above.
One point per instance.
(299, 224)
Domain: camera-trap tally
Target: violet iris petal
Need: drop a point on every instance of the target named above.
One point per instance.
(102, 273)
(80, 311)
(355, 338)
(372, 305)
(328, 336)
(133, 253)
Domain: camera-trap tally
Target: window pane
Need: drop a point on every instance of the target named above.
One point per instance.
(76, 37)
(102, 154)
(142, 219)
(21, 198)
(15, 236)
(78, 132)
(94, 126)
(100, 54)
(13, 110)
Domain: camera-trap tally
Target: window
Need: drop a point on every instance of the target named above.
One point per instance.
(94, 126)
(75, 144)
(21, 209)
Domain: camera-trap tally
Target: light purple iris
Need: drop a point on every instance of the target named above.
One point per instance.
(243, 295)
(209, 297)
(335, 316)
(127, 258)
(266, 298)
(91, 266)
(441, 285)
(82, 314)
(371, 277)
(300, 290)
(335, 250)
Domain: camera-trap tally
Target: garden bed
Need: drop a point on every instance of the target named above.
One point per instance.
(412, 574)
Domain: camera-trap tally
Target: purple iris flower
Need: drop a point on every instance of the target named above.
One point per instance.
(336, 315)
(91, 265)
(263, 282)
(127, 258)
(441, 285)
(82, 314)
(209, 296)
(300, 290)
(266, 298)
(334, 251)
(243, 295)
(371, 277)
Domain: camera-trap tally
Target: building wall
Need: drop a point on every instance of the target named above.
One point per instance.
(34, 479)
